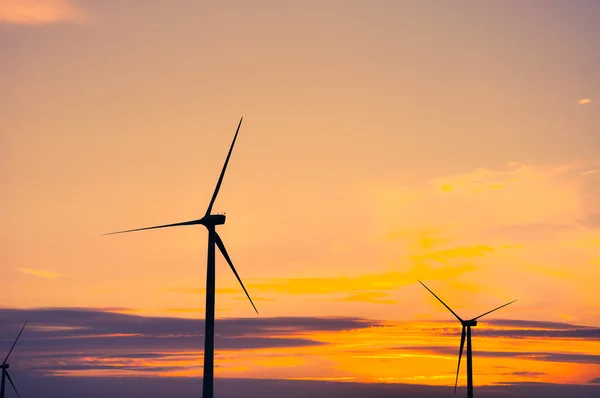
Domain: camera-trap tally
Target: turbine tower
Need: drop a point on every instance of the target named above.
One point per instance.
(210, 221)
(5, 367)
(466, 331)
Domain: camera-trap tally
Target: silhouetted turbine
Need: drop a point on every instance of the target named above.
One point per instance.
(466, 326)
(210, 221)
(5, 367)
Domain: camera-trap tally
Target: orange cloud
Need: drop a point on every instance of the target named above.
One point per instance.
(254, 299)
(517, 194)
(443, 256)
(40, 273)
(584, 101)
(38, 12)
(384, 281)
(201, 290)
(368, 297)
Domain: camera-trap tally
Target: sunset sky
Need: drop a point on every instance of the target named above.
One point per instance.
(383, 142)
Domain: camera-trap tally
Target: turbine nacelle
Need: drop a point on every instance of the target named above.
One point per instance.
(4, 366)
(471, 322)
(213, 219)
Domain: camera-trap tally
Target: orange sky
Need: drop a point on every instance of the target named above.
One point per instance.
(383, 142)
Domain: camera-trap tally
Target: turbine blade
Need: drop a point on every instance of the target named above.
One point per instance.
(457, 317)
(12, 384)
(494, 310)
(15, 343)
(462, 345)
(214, 197)
(221, 246)
(179, 224)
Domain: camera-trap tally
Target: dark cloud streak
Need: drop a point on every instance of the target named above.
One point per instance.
(537, 356)
(71, 337)
(534, 324)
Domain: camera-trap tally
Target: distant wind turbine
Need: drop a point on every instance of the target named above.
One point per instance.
(210, 221)
(466, 327)
(5, 367)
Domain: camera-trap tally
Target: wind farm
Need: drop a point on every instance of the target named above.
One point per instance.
(382, 143)
(210, 221)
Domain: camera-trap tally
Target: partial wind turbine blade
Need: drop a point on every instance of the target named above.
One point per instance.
(462, 345)
(12, 384)
(14, 344)
(221, 246)
(494, 310)
(457, 317)
(179, 224)
(214, 197)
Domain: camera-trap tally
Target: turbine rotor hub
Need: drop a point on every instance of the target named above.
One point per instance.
(4, 366)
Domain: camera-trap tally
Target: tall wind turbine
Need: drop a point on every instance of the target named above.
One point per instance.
(466, 330)
(210, 221)
(5, 367)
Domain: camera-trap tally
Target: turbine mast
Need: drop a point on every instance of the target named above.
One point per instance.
(469, 364)
(2, 385)
(209, 322)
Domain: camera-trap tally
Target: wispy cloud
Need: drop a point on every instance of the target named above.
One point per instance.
(528, 374)
(368, 297)
(519, 323)
(370, 282)
(40, 273)
(535, 356)
(584, 101)
(201, 290)
(443, 256)
(79, 342)
(39, 12)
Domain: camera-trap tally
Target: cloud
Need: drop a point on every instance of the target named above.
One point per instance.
(93, 340)
(84, 342)
(80, 322)
(472, 202)
(584, 101)
(201, 290)
(367, 297)
(39, 12)
(184, 310)
(254, 299)
(443, 256)
(591, 220)
(595, 381)
(586, 333)
(371, 282)
(531, 231)
(535, 356)
(41, 273)
(535, 324)
(528, 374)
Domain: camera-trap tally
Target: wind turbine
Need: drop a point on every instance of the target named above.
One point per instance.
(466, 330)
(5, 367)
(210, 221)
